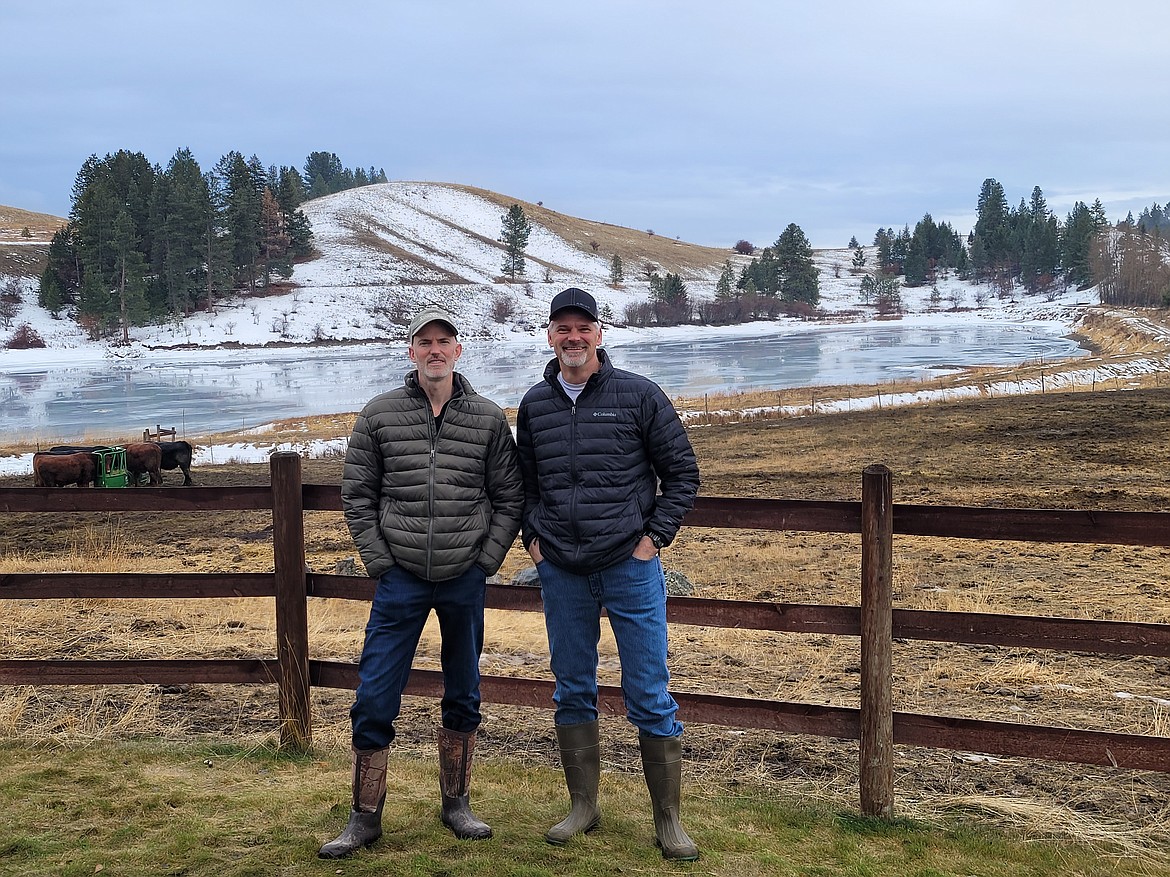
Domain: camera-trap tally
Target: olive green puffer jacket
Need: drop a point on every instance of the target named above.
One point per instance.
(432, 502)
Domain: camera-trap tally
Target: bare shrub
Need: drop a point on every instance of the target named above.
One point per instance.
(8, 310)
(25, 338)
(639, 314)
(503, 308)
(801, 310)
(744, 248)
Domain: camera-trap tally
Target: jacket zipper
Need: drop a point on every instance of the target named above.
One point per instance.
(573, 475)
(434, 436)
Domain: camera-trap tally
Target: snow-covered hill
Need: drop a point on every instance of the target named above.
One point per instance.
(385, 250)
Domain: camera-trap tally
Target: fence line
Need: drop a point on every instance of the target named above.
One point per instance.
(876, 518)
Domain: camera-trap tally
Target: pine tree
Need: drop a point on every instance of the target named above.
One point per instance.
(615, 270)
(239, 191)
(181, 216)
(290, 194)
(794, 258)
(766, 272)
(866, 289)
(101, 189)
(723, 290)
(50, 295)
(883, 239)
(130, 283)
(914, 267)
(94, 305)
(300, 233)
(1040, 254)
(65, 267)
(992, 231)
(1076, 245)
(1100, 220)
(514, 235)
(275, 241)
(325, 170)
(290, 189)
(672, 303)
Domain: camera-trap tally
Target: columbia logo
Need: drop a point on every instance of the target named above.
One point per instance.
(605, 414)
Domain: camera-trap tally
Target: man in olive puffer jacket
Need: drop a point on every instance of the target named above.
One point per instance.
(433, 496)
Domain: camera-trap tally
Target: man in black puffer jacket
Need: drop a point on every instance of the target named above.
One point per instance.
(595, 444)
(432, 494)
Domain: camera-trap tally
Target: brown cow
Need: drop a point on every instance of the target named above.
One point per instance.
(58, 470)
(144, 458)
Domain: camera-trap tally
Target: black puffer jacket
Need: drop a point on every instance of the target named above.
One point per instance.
(434, 503)
(591, 470)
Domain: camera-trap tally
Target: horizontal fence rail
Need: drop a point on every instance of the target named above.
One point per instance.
(876, 519)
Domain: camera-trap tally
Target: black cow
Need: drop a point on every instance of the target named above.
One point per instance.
(177, 455)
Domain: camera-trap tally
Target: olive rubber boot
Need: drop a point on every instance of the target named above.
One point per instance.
(455, 750)
(581, 759)
(662, 764)
(369, 794)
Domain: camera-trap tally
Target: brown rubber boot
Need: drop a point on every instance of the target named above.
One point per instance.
(455, 750)
(662, 764)
(581, 759)
(369, 794)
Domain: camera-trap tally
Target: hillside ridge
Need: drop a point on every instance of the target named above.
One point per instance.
(385, 250)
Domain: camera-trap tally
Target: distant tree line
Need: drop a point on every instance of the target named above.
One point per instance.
(144, 242)
(919, 255)
(324, 175)
(1029, 246)
(782, 279)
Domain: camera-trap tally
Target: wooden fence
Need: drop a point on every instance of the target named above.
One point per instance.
(876, 518)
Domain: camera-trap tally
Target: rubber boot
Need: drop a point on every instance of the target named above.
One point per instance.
(581, 758)
(365, 817)
(662, 764)
(455, 750)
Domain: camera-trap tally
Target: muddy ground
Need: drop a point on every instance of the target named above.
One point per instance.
(1105, 450)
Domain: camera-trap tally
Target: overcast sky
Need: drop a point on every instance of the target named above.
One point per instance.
(709, 121)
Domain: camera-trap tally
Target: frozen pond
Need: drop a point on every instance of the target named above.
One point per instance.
(227, 390)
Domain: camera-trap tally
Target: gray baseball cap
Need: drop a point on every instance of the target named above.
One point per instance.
(431, 314)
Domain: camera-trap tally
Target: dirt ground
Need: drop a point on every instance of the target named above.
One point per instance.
(1105, 450)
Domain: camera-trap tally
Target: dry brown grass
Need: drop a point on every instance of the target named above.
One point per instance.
(635, 246)
(1103, 450)
(19, 257)
(41, 226)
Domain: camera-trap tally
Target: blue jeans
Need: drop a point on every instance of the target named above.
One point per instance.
(402, 603)
(633, 594)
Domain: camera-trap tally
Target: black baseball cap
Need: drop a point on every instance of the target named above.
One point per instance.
(573, 298)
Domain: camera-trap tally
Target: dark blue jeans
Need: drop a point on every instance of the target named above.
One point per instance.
(402, 603)
(633, 594)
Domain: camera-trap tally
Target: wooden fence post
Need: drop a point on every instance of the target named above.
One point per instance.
(876, 768)
(292, 617)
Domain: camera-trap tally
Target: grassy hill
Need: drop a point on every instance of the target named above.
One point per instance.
(21, 255)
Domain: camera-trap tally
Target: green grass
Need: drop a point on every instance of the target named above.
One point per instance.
(148, 809)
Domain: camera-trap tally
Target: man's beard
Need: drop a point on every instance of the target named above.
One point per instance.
(574, 358)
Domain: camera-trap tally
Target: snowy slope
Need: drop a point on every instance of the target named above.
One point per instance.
(385, 250)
